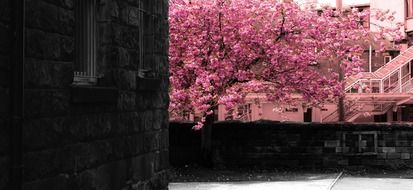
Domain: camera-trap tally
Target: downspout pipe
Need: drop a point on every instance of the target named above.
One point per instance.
(370, 56)
(17, 26)
(340, 106)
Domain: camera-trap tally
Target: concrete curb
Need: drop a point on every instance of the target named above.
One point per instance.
(330, 187)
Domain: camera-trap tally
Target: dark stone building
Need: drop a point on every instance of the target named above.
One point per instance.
(95, 95)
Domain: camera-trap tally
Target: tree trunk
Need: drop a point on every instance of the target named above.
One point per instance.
(340, 106)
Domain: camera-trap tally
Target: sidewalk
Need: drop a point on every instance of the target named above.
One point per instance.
(371, 183)
(254, 185)
(206, 179)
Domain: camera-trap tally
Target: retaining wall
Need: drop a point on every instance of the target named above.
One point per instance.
(310, 145)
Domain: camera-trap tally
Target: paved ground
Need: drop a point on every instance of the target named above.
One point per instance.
(203, 179)
(346, 183)
(250, 185)
(366, 183)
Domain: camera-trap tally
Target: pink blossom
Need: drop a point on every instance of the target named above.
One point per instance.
(221, 50)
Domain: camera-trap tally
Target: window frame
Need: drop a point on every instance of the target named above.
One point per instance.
(409, 8)
(359, 135)
(85, 42)
(385, 59)
(291, 110)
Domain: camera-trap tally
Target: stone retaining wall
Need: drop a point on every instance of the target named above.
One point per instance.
(303, 145)
(312, 145)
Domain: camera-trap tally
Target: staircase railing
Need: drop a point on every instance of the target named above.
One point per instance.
(381, 108)
(408, 85)
(404, 84)
(331, 117)
(388, 73)
(334, 115)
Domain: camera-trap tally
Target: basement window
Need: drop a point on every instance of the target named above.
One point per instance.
(85, 42)
(360, 143)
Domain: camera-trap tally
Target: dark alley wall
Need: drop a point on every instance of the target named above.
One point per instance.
(184, 144)
(113, 135)
(4, 90)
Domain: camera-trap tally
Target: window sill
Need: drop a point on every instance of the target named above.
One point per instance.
(93, 94)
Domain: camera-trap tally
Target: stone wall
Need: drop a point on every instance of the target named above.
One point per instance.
(184, 144)
(110, 136)
(314, 146)
(4, 91)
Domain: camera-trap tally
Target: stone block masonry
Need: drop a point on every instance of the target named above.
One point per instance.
(4, 94)
(317, 145)
(296, 145)
(113, 135)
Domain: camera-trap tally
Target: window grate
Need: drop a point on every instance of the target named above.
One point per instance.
(85, 42)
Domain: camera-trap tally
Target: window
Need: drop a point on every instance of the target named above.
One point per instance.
(291, 109)
(85, 42)
(375, 86)
(387, 59)
(361, 143)
(242, 112)
(409, 8)
(324, 109)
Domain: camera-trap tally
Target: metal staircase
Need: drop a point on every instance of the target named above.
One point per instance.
(349, 110)
(375, 93)
(389, 77)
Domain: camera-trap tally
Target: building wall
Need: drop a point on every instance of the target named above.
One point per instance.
(294, 113)
(298, 145)
(268, 111)
(4, 92)
(112, 136)
(320, 114)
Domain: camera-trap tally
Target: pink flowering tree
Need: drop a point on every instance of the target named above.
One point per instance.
(221, 50)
